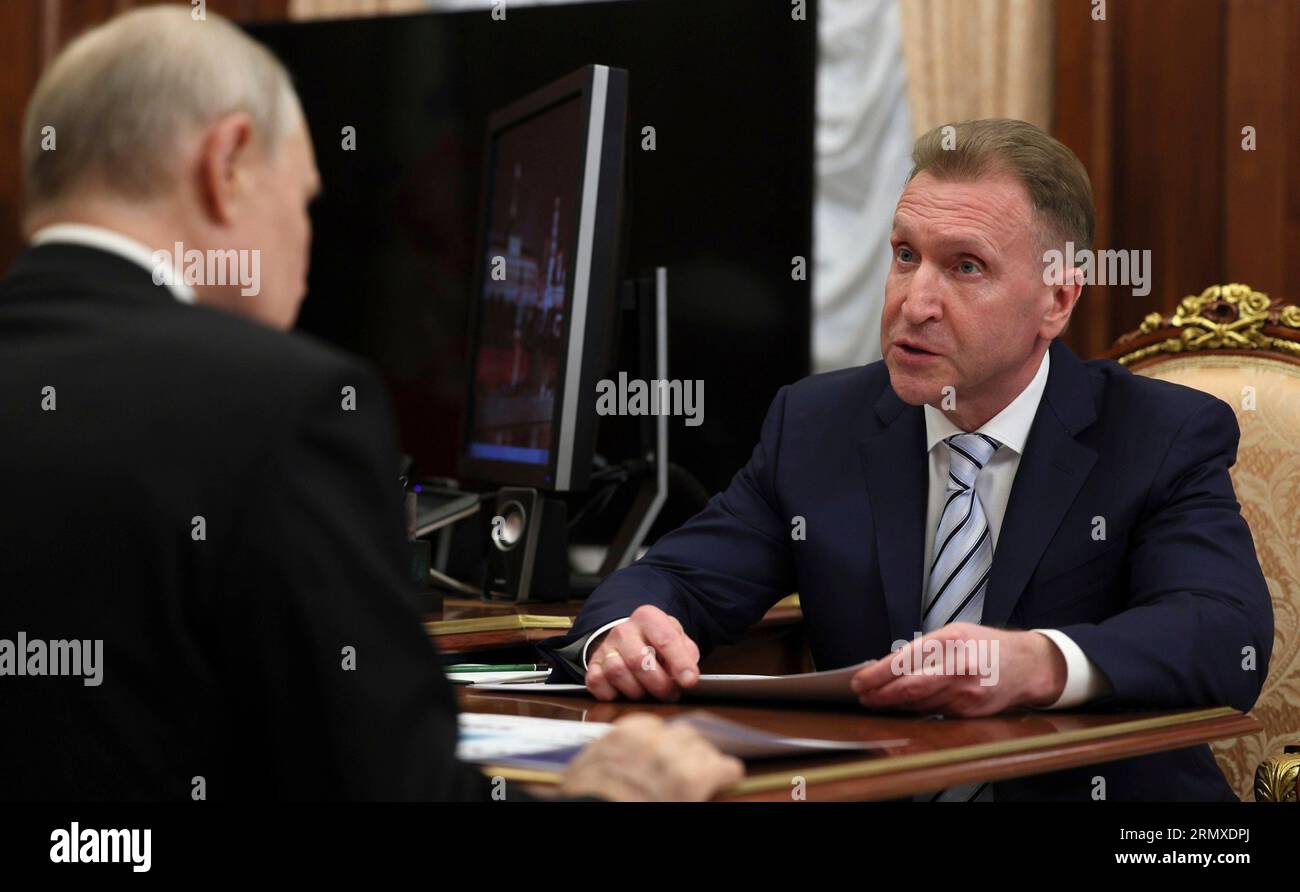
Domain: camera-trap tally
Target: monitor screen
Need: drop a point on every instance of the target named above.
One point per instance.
(535, 172)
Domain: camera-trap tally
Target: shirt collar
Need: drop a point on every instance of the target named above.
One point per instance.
(1010, 427)
(115, 243)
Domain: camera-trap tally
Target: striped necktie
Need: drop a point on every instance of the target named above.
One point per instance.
(959, 570)
(963, 544)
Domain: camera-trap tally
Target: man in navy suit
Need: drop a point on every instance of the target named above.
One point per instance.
(980, 491)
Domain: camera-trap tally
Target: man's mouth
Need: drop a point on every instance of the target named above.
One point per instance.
(909, 348)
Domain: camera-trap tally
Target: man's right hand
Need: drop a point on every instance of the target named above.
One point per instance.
(642, 759)
(648, 654)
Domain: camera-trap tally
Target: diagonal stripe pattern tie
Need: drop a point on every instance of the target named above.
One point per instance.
(963, 557)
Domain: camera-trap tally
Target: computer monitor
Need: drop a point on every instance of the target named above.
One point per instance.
(546, 283)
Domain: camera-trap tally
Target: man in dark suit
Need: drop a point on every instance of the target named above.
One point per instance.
(201, 542)
(980, 491)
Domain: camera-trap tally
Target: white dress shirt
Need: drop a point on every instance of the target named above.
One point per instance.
(1010, 427)
(114, 243)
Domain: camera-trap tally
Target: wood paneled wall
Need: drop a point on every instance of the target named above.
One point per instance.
(1153, 99)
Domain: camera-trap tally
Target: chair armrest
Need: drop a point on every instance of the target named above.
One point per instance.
(1278, 779)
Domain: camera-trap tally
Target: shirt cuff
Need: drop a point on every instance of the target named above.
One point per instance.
(596, 634)
(1083, 680)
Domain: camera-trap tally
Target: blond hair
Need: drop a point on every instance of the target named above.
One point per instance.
(121, 97)
(1055, 179)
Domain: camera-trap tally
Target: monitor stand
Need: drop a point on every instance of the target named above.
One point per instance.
(650, 296)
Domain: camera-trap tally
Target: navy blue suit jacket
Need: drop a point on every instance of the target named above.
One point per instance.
(1164, 604)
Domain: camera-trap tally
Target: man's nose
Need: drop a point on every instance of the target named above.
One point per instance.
(921, 302)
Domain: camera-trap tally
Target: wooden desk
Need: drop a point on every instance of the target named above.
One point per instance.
(775, 646)
(939, 753)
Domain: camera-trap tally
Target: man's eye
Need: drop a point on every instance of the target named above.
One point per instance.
(969, 267)
(905, 255)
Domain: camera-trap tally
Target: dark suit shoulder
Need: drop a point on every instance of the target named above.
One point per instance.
(254, 378)
(281, 363)
(75, 304)
(153, 381)
(1161, 405)
(852, 388)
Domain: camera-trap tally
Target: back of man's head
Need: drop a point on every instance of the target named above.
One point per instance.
(121, 96)
(169, 128)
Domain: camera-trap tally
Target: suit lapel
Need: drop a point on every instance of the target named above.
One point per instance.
(1051, 472)
(897, 473)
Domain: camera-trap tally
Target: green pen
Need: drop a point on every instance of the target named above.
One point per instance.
(505, 667)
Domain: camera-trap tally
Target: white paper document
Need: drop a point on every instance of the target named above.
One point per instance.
(487, 738)
(831, 686)
(528, 741)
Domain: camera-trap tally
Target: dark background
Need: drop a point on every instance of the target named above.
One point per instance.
(724, 202)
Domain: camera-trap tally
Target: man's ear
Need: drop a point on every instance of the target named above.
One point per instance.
(225, 153)
(1064, 297)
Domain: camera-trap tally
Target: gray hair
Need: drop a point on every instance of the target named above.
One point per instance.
(1054, 177)
(122, 97)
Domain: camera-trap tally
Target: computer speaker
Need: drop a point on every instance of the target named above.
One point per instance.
(527, 553)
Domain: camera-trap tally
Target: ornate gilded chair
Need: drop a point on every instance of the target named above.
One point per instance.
(1244, 348)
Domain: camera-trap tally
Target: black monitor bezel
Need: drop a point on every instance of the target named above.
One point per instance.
(561, 473)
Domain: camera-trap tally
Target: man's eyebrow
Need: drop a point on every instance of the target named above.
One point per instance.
(967, 240)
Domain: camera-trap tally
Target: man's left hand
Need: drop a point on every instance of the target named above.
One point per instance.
(965, 670)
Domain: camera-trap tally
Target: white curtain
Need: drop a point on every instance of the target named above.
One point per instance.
(864, 144)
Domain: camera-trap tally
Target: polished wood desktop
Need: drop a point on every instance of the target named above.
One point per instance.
(934, 753)
(937, 753)
(775, 646)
